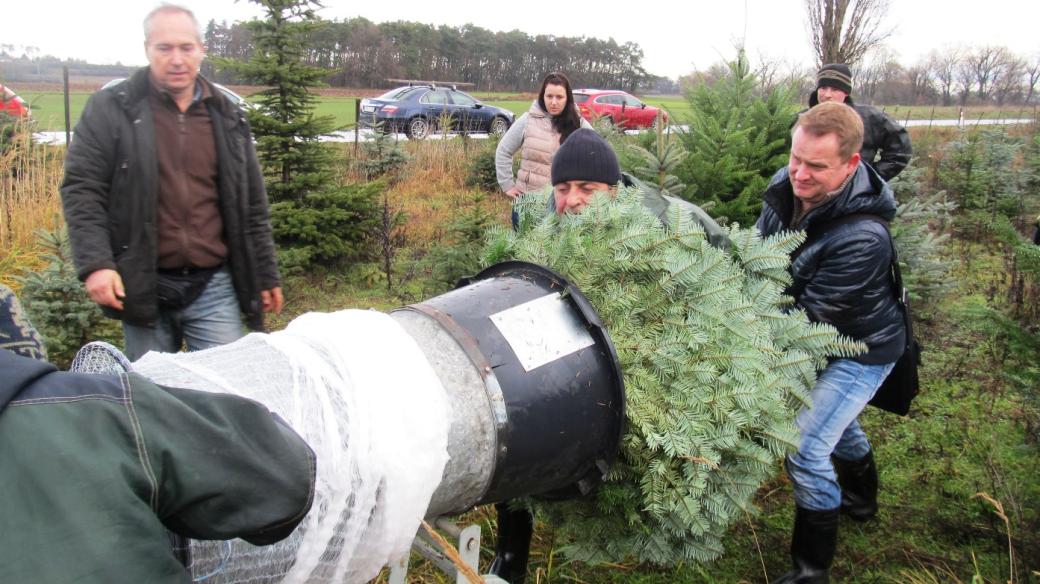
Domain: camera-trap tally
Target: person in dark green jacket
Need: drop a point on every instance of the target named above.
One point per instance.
(96, 469)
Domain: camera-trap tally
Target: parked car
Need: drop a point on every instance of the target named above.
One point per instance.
(13, 105)
(418, 110)
(231, 95)
(618, 107)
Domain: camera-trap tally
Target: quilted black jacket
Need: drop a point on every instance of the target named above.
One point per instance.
(843, 277)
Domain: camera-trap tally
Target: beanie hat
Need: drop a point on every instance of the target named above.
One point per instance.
(836, 75)
(584, 155)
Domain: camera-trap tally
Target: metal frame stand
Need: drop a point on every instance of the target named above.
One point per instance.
(467, 541)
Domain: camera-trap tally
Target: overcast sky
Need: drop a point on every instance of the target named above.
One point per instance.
(676, 36)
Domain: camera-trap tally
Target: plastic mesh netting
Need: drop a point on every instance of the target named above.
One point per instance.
(358, 389)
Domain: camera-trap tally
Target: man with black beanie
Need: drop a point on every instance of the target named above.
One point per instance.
(586, 164)
(886, 143)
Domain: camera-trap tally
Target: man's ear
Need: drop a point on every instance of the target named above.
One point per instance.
(853, 162)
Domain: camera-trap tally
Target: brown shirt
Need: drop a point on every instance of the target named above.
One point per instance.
(190, 228)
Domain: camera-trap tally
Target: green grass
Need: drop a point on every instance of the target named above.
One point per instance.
(49, 109)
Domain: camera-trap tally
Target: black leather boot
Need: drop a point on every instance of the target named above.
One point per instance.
(859, 486)
(515, 527)
(812, 547)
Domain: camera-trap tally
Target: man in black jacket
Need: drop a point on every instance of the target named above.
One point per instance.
(165, 202)
(840, 276)
(886, 144)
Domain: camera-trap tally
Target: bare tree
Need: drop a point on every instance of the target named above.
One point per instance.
(965, 79)
(943, 65)
(920, 83)
(1033, 76)
(985, 63)
(1007, 82)
(875, 70)
(843, 31)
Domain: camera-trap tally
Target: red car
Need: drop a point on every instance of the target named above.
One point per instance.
(619, 107)
(11, 104)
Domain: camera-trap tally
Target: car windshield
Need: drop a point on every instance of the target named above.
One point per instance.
(580, 98)
(396, 94)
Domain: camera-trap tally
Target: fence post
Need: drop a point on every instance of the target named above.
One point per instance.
(357, 124)
(68, 121)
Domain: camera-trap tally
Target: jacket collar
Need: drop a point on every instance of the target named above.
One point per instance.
(536, 111)
(135, 90)
(19, 373)
(866, 193)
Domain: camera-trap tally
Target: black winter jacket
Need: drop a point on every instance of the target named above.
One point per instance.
(881, 134)
(110, 195)
(843, 277)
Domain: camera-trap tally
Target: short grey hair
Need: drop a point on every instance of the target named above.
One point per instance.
(166, 8)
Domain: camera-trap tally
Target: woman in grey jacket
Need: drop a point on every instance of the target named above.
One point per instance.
(537, 135)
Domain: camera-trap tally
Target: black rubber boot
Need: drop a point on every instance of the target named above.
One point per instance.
(859, 486)
(515, 527)
(812, 547)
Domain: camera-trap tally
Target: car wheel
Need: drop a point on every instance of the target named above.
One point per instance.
(498, 127)
(418, 129)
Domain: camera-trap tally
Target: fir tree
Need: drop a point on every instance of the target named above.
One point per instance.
(308, 207)
(737, 139)
(919, 232)
(58, 305)
(287, 132)
(714, 362)
(658, 162)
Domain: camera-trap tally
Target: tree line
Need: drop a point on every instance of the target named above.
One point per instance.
(357, 52)
(954, 76)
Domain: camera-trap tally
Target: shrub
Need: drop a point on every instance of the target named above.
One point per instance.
(58, 305)
(458, 253)
(481, 172)
(331, 227)
(981, 172)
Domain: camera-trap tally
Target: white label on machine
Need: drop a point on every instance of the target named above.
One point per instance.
(542, 330)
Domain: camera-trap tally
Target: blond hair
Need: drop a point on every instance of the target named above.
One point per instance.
(834, 118)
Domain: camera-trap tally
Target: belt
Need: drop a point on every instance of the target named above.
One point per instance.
(189, 271)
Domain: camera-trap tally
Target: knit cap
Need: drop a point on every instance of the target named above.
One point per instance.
(585, 156)
(836, 75)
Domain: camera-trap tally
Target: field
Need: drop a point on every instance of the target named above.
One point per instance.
(49, 109)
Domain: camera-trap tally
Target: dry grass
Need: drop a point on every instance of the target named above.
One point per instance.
(431, 190)
(30, 176)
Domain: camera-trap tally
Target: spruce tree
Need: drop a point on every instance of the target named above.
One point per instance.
(314, 219)
(736, 139)
(715, 361)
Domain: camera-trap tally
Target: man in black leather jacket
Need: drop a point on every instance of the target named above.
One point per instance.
(886, 143)
(840, 276)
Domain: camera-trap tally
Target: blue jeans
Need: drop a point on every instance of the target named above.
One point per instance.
(830, 428)
(212, 320)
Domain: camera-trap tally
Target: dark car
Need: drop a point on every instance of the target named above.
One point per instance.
(418, 110)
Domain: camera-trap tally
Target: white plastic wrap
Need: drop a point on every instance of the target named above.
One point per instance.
(356, 386)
